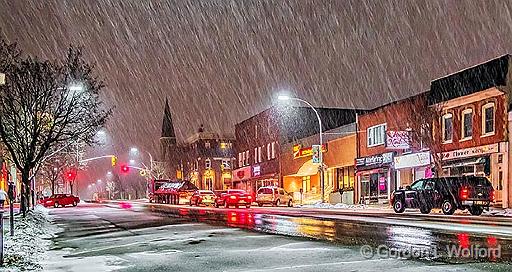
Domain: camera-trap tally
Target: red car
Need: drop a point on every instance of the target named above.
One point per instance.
(60, 200)
(205, 197)
(233, 197)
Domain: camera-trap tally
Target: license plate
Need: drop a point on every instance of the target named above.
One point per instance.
(479, 202)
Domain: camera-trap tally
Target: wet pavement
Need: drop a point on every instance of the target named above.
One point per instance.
(132, 237)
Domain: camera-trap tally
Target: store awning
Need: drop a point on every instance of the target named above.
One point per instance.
(307, 169)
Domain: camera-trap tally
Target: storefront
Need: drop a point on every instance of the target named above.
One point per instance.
(375, 176)
(487, 161)
(411, 167)
(250, 178)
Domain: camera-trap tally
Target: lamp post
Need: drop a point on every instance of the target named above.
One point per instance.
(320, 155)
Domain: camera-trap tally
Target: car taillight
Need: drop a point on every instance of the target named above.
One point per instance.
(464, 193)
(232, 197)
(249, 197)
(492, 196)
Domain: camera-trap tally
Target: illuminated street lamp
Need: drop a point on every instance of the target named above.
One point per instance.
(320, 155)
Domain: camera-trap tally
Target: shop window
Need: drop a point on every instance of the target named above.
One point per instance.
(226, 164)
(488, 119)
(447, 126)
(376, 135)
(345, 178)
(467, 124)
(208, 163)
(306, 184)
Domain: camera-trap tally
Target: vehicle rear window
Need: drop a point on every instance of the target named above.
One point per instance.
(236, 192)
(267, 191)
(206, 192)
(478, 181)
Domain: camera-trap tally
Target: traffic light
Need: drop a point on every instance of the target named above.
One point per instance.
(70, 175)
(114, 160)
(125, 168)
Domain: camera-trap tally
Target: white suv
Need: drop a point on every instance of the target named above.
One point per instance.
(274, 196)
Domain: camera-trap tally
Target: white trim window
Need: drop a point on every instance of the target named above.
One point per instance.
(488, 119)
(259, 154)
(376, 135)
(273, 150)
(247, 157)
(207, 163)
(447, 127)
(240, 161)
(268, 152)
(255, 155)
(467, 124)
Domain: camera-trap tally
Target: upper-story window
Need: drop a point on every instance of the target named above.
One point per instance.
(243, 159)
(240, 161)
(376, 135)
(224, 145)
(259, 154)
(207, 144)
(488, 126)
(273, 150)
(256, 131)
(255, 155)
(268, 152)
(467, 124)
(447, 126)
(247, 157)
(208, 163)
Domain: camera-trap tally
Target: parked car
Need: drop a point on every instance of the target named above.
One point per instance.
(233, 197)
(448, 193)
(205, 197)
(60, 200)
(274, 196)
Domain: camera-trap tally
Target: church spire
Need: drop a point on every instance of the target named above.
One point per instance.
(167, 125)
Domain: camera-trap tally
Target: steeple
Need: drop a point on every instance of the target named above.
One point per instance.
(167, 126)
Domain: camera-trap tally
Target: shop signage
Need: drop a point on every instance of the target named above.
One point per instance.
(397, 140)
(256, 170)
(470, 152)
(412, 160)
(300, 152)
(375, 161)
(242, 173)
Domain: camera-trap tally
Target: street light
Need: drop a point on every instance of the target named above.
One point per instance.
(320, 155)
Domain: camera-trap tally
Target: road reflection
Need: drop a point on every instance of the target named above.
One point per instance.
(442, 246)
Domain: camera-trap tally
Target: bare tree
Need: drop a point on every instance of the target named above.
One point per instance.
(45, 104)
(54, 168)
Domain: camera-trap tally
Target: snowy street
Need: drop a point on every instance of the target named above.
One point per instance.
(99, 238)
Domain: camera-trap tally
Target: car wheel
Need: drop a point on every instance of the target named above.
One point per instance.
(290, 203)
(56, 204)
(476, 210)
(278, 202)
(447, 207)
(260, 204)
(74, 203)
(398, 206)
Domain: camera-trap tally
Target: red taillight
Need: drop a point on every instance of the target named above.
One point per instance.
(492, 196)
(464, 193)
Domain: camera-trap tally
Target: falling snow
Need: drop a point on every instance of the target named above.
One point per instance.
(220, 62)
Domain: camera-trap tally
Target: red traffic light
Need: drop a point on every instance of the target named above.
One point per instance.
(70, 175)
(125, 168)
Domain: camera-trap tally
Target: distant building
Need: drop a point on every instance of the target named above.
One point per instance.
(205, 158)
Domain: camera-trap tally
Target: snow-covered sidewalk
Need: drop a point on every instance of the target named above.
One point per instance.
(30, 243)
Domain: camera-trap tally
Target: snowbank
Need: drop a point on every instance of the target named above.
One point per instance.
(28, 246)
(499, 212)
(320, 205)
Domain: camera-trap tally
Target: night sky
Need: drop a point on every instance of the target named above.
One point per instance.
(220, 62)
